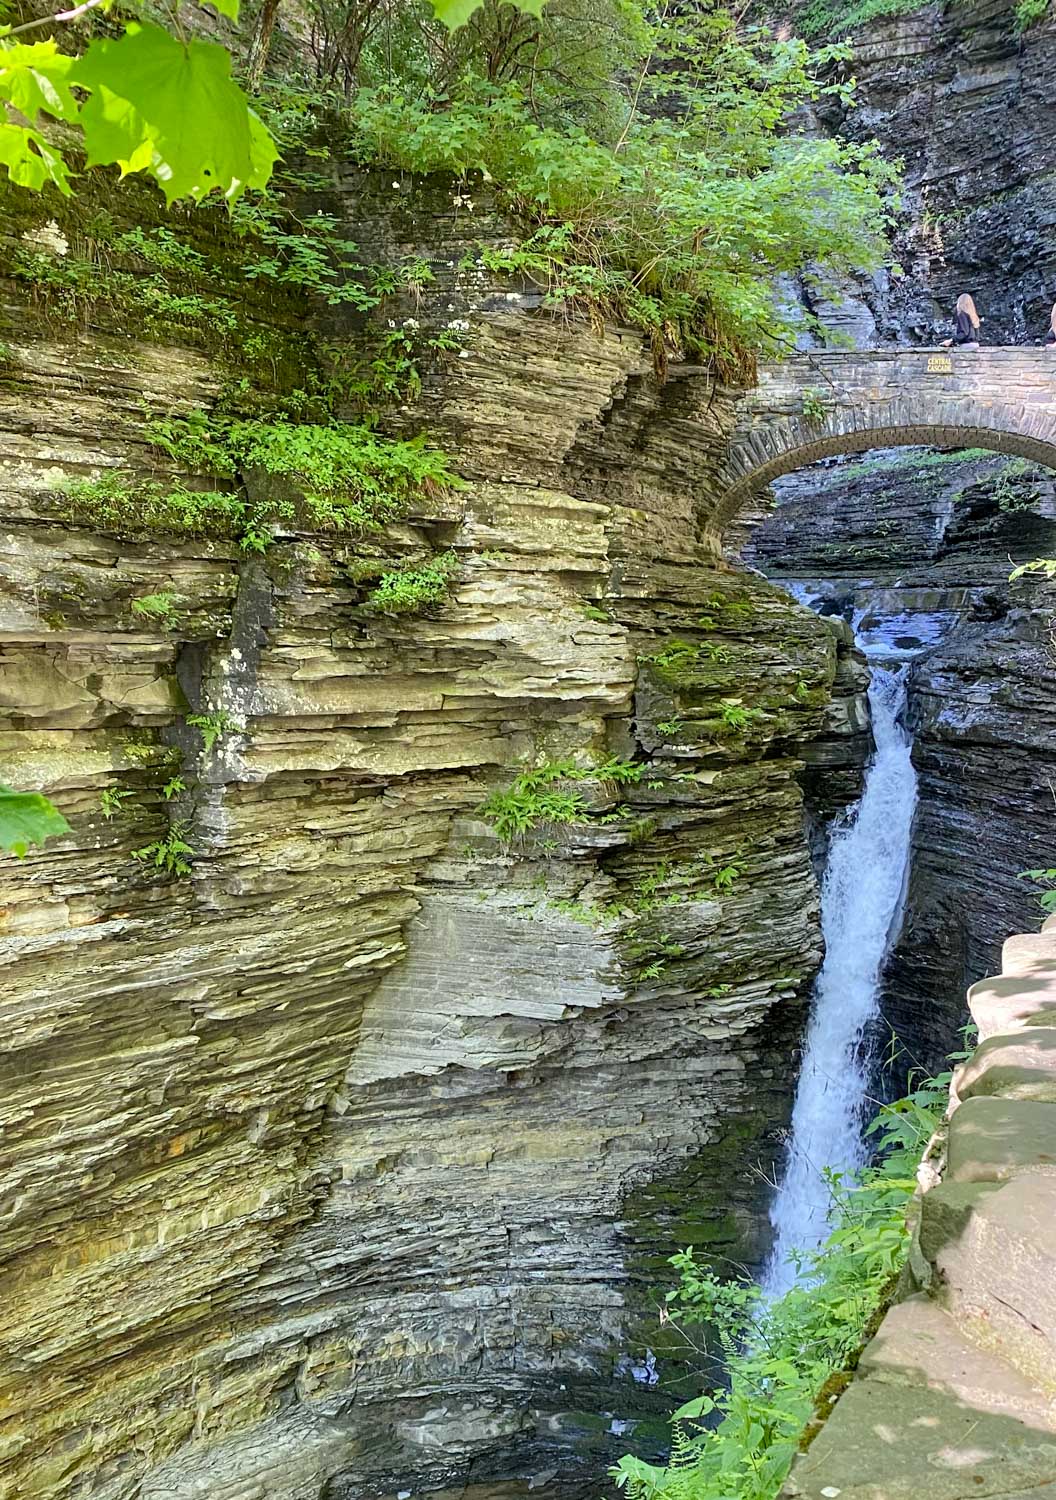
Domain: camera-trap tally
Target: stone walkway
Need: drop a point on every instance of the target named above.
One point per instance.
(956, 1394)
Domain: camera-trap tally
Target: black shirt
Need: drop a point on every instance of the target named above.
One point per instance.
(965, 332)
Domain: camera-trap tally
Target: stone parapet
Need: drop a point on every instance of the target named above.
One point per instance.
(816, 406)
(956, 1394)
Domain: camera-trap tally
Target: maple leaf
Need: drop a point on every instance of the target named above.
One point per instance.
(27, 818)
(171, 109)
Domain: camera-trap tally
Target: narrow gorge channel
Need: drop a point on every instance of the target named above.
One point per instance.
(861, 900)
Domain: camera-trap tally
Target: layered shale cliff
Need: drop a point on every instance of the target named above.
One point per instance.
(347, 1162)
(926, 542)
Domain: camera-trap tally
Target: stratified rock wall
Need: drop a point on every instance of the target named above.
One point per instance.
(925, 542)
(965, 102)
(340, 1165)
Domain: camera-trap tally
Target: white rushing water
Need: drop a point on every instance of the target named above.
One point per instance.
(861, 900)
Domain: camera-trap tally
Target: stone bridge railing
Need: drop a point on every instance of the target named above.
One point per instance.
(814, 406)
(956, 1395)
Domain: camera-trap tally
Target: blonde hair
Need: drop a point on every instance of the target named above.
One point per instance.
(966, 305)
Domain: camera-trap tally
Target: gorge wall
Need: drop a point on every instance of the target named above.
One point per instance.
(927, 540)
(963, 99)
(347, 1163)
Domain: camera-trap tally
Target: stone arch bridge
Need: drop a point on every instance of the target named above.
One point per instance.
(817, 405)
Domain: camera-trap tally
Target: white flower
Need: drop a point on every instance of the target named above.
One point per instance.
(410, 322)
(392, 322)
(461, 324)
(396, 185)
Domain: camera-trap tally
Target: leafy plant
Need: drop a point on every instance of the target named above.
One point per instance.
(155, 103)
(725, 876)
(213, 726)
(172, 853)
(617, 188)
(161, 607)
(733, 715)
(542, 795)
(778, 1357)
(1029, 13)
(1044, 565)
(1011, 496)
(1047, 879)
(410, 589)
(117, 501)
(26, 819)
(173, 788)
(111, 798)
(814, 407)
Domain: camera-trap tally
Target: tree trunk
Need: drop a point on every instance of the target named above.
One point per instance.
(261, 44)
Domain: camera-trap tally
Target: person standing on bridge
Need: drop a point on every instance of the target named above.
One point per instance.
(966, 325)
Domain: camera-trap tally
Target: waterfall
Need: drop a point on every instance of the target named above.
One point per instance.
(860, 905)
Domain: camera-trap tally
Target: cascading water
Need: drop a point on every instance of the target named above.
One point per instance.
(861, 900)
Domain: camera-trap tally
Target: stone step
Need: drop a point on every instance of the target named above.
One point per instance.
(1006, 1002)
(1029, 953)
(994, 1253)
(930, 1416)
(992, 1139)
(1017, 1065)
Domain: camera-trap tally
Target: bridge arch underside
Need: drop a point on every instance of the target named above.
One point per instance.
(766, 451)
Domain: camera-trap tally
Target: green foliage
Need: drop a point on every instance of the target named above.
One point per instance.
(161, 248)
(1029, 13)
(193, 441)
(779, 1356)
(111, 798)
(814, 408)
(734, 716)
(213, 726)
(161, 608)
(1011, 496)
(1047, 879)
(155, 103)
(27, 818)
(825, 18)
(173, 788)
(172, 854)
(342, 476)
(349, 476)
(409, 590)
(725, 876)
(670, 210)
(681, 659)
(119, 502)
(544, 795)
(595, 612)
(1046, 566)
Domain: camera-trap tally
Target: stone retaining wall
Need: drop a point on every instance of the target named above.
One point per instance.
(956, 1394)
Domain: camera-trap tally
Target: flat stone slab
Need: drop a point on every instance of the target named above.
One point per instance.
(990, 1140)
(1029, 953)
(994, 1252)
(1009, 1001)
(919, 1344)
(887, 1440)
(1017, 1065)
